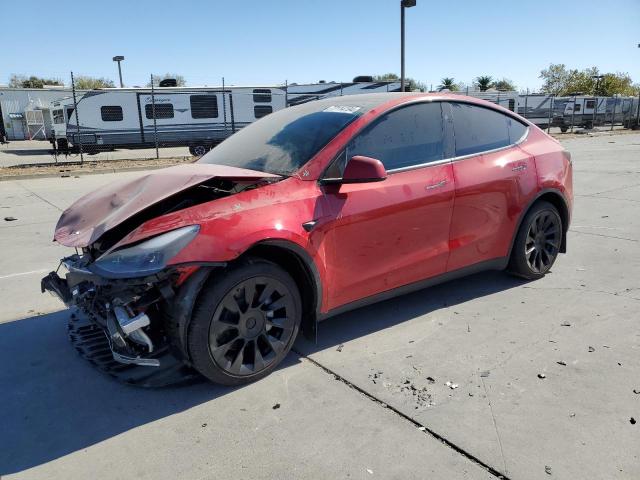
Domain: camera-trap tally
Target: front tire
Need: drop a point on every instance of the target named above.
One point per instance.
(244, 322)
(537, 243)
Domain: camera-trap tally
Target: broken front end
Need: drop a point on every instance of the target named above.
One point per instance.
(125, 301)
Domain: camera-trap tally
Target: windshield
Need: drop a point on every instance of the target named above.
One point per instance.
(284, 141)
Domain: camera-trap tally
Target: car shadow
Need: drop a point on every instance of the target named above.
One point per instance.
(373, 318)
(55, 403)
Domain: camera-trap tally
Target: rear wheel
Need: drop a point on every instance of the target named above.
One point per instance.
(537, 243)
(244, 323)
(198, 150)
(564, 129)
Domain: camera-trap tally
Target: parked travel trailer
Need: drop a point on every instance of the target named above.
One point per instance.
(197, 117)
(61, 112)
(536, 108)
(588, 111)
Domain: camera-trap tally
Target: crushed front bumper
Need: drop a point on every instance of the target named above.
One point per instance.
(120, 317)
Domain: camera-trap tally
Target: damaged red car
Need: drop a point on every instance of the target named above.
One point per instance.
(313, 210)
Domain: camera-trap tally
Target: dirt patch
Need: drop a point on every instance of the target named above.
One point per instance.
(68, 169)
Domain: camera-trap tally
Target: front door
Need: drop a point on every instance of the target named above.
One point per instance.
(392, 233)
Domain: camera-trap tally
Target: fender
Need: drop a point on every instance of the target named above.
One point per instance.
(309, 321)
(563, 246)
(179, 311)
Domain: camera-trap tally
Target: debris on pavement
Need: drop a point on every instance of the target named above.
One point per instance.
(484, 373)
(276, 406)
(542, 375)
(422, 429)
(432, 380)
(204, 425)
(340, 347)
(10, 219)
(591, 349)
(370, 472)
(451, 385)
(632, 421)
(565, 324)
(636, 391)
(562, 363)
(572, 414)
(547, 469)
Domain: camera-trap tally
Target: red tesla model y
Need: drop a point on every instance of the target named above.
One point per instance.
(306, 213)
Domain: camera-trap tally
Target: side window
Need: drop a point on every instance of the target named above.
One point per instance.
(69, 113)
(590, 104)
(262, 110)
(111, 113)
(163, 110)
(58, 116)
(261, 95)
(203, 106)
(478, 129)
(517, 130)
(406, 137)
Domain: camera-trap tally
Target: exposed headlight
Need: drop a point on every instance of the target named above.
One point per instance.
(146, 258)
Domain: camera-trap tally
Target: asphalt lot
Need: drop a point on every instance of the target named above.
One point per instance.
(361, 402)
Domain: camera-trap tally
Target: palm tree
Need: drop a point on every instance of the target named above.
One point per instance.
(448, 83)
(484, 82)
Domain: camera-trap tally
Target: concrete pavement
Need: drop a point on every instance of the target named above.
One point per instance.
(376, 407)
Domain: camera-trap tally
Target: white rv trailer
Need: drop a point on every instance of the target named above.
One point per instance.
(197, 117)
(588, 111)
(301, 93)
(536, 108)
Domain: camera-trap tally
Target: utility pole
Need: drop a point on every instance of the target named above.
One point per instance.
(403, 4)
(119, 58)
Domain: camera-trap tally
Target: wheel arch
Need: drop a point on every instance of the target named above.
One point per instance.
(299, 264)
(555, 198)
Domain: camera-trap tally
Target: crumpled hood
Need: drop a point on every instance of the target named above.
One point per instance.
(88, 218)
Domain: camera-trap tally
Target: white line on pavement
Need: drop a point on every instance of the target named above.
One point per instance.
(3, 277)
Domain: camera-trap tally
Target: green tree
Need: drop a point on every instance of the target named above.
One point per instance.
(180, 81)
(504, 85)
(411, 83)
(448, 83)
(91, 83)
(21, 81)
(559, 80)
(484, 83)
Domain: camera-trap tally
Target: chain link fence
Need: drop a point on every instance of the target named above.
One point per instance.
(163, 119)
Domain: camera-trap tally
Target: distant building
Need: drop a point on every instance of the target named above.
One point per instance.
(16, 104)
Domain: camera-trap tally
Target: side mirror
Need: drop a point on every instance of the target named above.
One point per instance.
(360, 169)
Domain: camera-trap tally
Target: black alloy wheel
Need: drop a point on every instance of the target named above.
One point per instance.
(244, 322)
(537, 243)
(252, 326)
(543, 241)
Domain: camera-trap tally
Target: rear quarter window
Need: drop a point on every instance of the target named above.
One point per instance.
(478, 129)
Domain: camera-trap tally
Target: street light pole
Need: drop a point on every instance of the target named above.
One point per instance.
(119, 58)
(403, 4)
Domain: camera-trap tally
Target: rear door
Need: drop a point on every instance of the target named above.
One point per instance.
(391, 233)
(494, 178)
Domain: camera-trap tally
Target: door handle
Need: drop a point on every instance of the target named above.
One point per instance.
(519, 168)
(440, 184)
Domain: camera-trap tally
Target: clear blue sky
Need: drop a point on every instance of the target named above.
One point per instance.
(266, 42)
